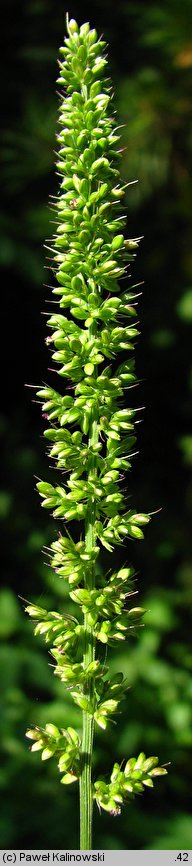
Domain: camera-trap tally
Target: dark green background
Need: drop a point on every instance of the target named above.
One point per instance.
(150, 57)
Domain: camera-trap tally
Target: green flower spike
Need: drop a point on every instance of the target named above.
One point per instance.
(91, 435)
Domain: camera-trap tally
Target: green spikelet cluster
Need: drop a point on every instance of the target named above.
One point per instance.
(91, 430)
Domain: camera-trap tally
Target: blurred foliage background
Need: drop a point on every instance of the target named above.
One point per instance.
(150, 56)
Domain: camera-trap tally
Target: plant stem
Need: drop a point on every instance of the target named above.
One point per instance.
(86, 801)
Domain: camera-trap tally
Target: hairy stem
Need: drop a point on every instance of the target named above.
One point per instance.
(86, 801)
